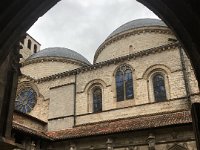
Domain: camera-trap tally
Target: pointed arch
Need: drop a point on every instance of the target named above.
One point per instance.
(124, 83)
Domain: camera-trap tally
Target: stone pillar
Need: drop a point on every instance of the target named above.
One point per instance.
(151, 141)
(72, 147)
(109, 143)
(8, 86)
(33, 146)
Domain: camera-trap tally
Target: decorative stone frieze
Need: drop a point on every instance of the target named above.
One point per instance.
(52, 59)
(109, 62)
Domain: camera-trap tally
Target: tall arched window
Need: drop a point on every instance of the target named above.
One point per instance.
(97, 99)
(29, 44)
(159, 87)
(124, 83)
(35, 48)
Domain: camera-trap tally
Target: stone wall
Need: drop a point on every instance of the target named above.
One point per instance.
(134, 43)
(193, 84)
(46, 68)
(41, 108)
(33, 42)
(61, 101)
(61, 108)
(139, 110)
(136, 140)
(29, 121)
(143, 67)
(167, 62)
(56, 98)
(25, 51)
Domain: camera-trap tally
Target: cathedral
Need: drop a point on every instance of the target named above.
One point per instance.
(136, 95)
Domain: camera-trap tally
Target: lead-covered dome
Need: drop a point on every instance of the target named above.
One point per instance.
(137, 24)
(51, 61)
(59, 52)
(132, 37)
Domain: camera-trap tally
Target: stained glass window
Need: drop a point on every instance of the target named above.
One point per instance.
(124, 83)
(97, 99)
(25, 100)
(159, 87)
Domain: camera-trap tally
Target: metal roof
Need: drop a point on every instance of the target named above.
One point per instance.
(137, 24)
(59, 52)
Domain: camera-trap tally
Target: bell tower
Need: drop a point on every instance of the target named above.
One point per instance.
(30, 46)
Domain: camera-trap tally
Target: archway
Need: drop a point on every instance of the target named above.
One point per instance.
(17, 16)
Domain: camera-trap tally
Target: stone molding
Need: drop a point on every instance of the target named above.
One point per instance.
(52, 59)
(82, 69)
(127, 34)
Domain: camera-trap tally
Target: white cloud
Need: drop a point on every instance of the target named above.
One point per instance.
(83, 25)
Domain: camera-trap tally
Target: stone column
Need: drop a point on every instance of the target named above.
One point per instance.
(72, 147)
(151, 141)
(33, 146)
(109, 144)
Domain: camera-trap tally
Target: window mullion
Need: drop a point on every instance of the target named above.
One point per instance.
(124, 85)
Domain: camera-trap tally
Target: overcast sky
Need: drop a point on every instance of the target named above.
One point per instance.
(82, 25)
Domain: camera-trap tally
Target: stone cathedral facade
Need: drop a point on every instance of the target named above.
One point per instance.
(135, 96)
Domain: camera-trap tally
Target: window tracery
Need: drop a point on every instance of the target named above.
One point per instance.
(25, 100)
(124, 83)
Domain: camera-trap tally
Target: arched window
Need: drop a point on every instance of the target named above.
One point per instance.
(159, 87)
(97, 99)
(29, 44)
(124, 83)
(35, 48)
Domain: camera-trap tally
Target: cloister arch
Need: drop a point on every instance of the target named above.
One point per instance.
(17, 16)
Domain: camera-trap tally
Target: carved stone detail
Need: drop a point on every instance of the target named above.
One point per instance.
(151, 141)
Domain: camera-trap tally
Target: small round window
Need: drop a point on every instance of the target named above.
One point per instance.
(25, 100)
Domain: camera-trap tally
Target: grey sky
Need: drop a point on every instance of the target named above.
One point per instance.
(82, 25)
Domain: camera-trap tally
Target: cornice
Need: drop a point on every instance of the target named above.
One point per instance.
(111, 61)
(27, 77)
(52, 59)
(126, 34)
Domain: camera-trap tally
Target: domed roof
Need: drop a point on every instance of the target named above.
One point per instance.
(137, 24)
(134, 24)
(59, 52)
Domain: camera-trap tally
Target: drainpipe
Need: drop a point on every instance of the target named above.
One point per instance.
(75, 100)
(185, 77)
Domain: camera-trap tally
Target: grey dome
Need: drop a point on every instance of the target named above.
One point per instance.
(137, 24)
(59, 52)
